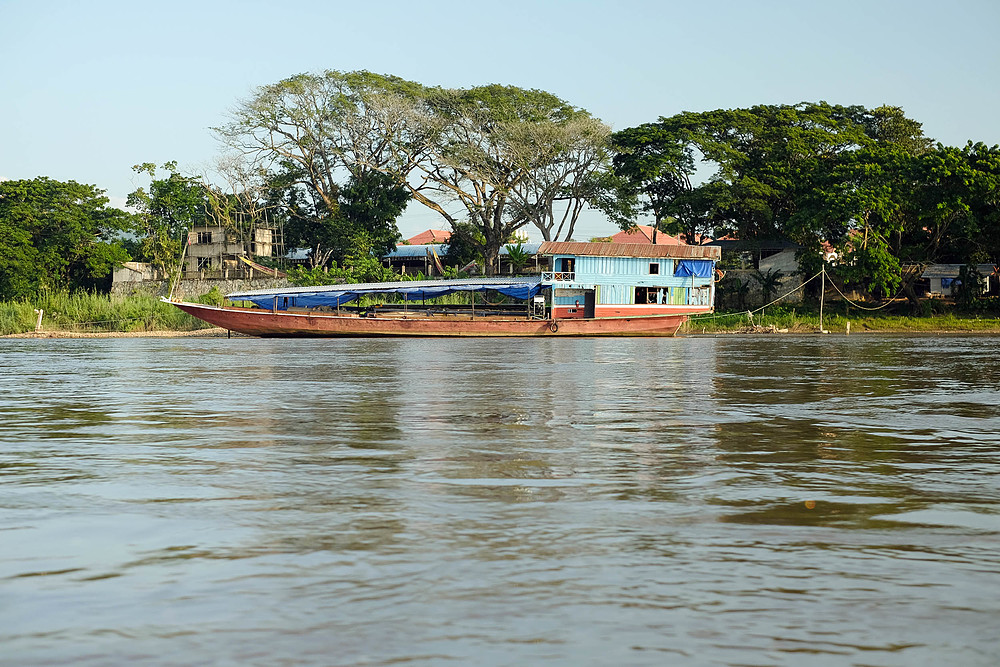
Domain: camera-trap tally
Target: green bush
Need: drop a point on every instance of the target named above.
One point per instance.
(212, 297)
(83, 311)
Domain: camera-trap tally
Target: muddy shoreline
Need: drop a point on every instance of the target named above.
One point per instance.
(197, 333)
(223, 333)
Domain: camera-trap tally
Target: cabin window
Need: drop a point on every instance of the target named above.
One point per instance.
(566, 264)
(654, 268)
(204, 263)
(204, 237)
(645, 295)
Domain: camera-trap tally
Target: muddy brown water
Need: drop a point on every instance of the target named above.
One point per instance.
(706, 501)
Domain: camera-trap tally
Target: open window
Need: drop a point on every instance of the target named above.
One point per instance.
(646, 295)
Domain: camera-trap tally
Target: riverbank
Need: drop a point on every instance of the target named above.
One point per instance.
(80, 314)
(934, 326)
(197, 333)
(140, 315)
(794, 321)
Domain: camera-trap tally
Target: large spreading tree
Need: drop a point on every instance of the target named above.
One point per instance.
(865, 181)
(495, 157)
(318, 143)
(57, 236)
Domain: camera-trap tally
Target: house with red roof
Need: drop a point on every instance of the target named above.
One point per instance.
(644, 234)
(429, 236)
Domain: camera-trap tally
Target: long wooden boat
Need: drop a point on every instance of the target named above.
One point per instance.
(266, 323)
(596, 290)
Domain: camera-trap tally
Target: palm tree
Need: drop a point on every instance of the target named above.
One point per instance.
(517, 256)
(769, 283)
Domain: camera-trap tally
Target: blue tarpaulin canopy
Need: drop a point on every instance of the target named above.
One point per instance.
(694, 268)
(414, 290)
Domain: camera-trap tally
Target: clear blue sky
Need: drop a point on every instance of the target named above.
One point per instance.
(89, 88)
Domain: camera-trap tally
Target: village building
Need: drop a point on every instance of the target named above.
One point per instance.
(942, 280)
(428, 237)
(212, 253)
(644, 234)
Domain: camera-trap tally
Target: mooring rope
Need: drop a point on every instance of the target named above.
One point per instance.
(860, 307)
(766, 305)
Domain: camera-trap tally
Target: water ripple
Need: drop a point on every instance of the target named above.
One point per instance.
(793, 500)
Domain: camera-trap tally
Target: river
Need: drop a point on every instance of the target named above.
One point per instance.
(785, 500)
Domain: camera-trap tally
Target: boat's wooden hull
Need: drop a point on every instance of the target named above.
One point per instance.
(267, 323)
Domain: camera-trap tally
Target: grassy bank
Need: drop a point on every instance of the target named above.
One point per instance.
(97, 313)
(82, 312)
(806, 320)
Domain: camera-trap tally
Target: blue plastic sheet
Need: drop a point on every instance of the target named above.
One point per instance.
(694, 268)
(284, 301)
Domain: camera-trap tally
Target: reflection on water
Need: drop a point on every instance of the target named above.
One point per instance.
(772, 500)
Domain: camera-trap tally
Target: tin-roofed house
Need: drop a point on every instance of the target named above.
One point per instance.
(629, 279)
(943, 279)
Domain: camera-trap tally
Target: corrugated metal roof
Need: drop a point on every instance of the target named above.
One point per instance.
(644, 234)
(629, 250)
(417, 250)
(430, 236)
(442, 248)
(951, 270)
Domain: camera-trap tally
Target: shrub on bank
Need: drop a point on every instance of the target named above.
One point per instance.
(83, 311)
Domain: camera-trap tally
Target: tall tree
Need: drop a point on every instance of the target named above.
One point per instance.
(813, 173)
(57, 235)
(955, 203)
(499, 157)
(370, 203)
(314, 134)
(496, 157)
(652, 169)
(170, 206)
(564, 162)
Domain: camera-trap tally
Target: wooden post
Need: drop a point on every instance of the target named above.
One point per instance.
(822, 294)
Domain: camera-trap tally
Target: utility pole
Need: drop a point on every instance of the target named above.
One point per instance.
(822, 295)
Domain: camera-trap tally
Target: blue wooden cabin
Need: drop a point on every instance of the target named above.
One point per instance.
(629, 279)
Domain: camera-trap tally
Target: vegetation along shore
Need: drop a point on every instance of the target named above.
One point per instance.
(102, 315)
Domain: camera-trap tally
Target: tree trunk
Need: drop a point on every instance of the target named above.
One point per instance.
(491, 258)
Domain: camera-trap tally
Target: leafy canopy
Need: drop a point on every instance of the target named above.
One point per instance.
(57, 236)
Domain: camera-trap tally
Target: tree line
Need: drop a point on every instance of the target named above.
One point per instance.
(336, 157)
